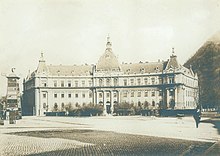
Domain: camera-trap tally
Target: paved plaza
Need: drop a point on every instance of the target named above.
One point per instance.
(109, 135)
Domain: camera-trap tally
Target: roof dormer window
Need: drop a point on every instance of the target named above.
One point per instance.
(107, 56)
(142, 70)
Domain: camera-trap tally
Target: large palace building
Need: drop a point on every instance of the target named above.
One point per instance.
(162, 84)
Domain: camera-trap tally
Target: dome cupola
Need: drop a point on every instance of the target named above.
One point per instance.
(108, 61)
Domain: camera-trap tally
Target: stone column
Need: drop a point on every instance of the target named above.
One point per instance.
(37, 96)
(104, 103)
(94, 97)
(118, 97)
(36, 103)
(111, 101)
(168, 98)
(175, 97)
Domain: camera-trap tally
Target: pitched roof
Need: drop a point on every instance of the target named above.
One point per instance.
(75, 70)
(172, 62)
(139, 68)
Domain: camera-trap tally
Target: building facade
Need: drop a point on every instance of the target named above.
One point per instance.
(162, 84)
(13, 102)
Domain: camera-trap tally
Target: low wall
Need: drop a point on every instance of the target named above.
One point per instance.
(176, 112)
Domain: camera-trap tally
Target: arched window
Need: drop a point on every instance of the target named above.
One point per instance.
(139, 81)
(100, 82)
(145, 81)
(139, 103)
(44, 105)
(55, 107)
(115, 81)
(125, 82)
(62, 105)
(153, 103)
(108, 82)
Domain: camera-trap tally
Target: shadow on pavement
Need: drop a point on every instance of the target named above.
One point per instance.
(214, 121)
(111, 143)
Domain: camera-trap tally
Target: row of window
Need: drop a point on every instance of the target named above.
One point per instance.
(137, 81)
(140, 94)
(76, 83)
(190, 93)
(132, 94)
(189, 103)
(62, 95)
(108, 82)
(125, 94)
(68, 84)
(189, 81)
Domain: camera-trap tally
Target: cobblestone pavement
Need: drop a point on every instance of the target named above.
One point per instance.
(104, 136)
(111, 143)
(11, 145)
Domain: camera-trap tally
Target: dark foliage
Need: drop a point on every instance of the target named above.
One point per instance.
(206, 63)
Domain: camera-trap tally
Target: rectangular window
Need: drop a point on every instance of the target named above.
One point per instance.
(76, 83)
(69, 84)
(115, 94)
(62, 83)
(44, 105)
(90, 83)
(55, 95)
(55, 83)
(132, 94)
(153, 93)
(160, 80)
(125, 82)
(62, 95)
(171, 80)
(44, 95)
(115, 81)
(100, 95)
(125, 94)
(132, 82)
(83, 83)
(171, 93)
(107, 95)
(139, 81)
(145, 81)
(76, 95)
(83, 95)
(90, 95)
(165, 80)
(160, 93)
(139, 94)
(153, 80)
(146, 94)
(69, 95)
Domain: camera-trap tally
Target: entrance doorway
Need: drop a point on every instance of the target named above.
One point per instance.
(108, 107)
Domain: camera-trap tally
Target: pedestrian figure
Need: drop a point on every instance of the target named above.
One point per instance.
(196, 117)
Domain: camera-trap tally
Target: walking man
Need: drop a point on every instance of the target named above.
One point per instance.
(197, 117)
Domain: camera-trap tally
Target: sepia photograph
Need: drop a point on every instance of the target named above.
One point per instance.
(110, 77)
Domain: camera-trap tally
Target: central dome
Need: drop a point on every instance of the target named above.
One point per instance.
(108, 61)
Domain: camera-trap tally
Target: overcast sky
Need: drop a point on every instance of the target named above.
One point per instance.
(74, 31)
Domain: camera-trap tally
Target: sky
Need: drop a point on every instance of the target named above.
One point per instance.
(74, 31)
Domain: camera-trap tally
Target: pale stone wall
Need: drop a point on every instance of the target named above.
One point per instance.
(79, 87)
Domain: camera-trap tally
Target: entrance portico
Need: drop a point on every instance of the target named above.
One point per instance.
(108, 98)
